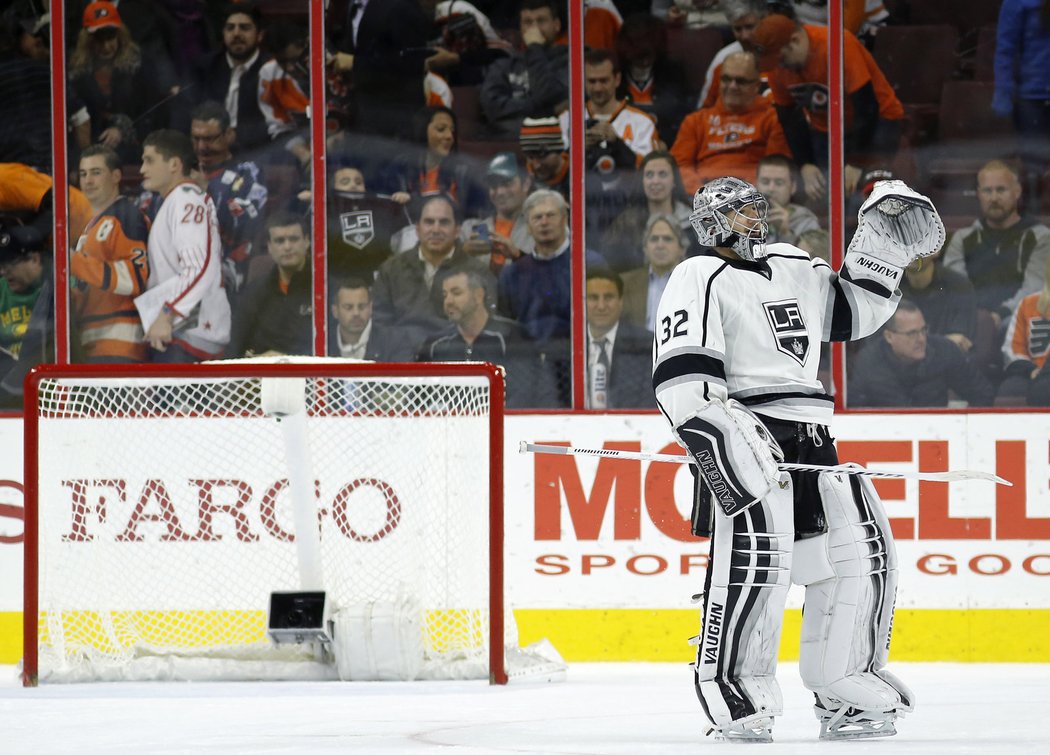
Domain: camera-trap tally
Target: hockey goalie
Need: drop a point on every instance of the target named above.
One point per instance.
(735, 362)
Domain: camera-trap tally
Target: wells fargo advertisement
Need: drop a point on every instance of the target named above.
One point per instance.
(600, 560)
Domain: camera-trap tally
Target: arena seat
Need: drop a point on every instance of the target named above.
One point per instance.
(694, 49)
(969, 135)
(966, 15)
(984, 55)
(466, 104)
(917, 60)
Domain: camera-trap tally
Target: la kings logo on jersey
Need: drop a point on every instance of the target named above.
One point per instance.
(358, 228)
(789, 329)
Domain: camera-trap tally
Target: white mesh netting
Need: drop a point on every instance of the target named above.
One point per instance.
(165, 522)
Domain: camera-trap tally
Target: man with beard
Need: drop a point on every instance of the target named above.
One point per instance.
(477, 335)
(231, 77)
(546, 154)
(1003, 253)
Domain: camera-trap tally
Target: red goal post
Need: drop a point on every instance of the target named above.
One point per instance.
(143, 480)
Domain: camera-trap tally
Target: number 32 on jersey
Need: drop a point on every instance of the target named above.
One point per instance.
(672, 327)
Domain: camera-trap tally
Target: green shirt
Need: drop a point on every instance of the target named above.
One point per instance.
(14, 315)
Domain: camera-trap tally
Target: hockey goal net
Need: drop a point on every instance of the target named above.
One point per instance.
(161, 515)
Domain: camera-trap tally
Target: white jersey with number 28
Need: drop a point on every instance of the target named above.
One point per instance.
(185, 258)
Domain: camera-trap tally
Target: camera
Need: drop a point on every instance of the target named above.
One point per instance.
(599, 156)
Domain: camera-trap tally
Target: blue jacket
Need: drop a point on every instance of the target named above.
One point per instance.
(1022, 55)
(537, 292)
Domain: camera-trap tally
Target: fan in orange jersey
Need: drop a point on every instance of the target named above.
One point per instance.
(1025, 349)
(730, 138)
(109, 267)
(617, 133)
(797, 57)
(27, 193)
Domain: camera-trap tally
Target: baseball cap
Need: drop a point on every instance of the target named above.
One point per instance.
(541, 135)
(771, 34)
(504, 165)
(871, 177)
(16, 240)
(101, 15)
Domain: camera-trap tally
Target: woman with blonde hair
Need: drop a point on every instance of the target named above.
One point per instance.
(119, 86)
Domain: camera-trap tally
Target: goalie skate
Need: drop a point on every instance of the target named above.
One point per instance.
(758, 728)
(840, 721)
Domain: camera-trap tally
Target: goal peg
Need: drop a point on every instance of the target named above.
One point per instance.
(298, 617)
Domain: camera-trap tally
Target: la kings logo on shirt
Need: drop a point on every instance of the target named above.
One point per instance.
(789, 329)
(358, 228)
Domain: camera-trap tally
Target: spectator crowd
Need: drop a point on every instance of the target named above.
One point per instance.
(448, 183)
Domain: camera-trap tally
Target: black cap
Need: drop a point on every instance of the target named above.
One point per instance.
(17, 240)
(868, 179)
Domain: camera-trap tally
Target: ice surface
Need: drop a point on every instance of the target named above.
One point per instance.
(602, 708)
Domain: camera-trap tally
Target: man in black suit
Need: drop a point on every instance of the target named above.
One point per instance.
(354, 334)
(231, 76)
(619, 355)
(380, 46)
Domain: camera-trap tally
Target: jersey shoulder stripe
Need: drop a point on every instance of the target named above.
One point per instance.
(130, 218)
(687, 365)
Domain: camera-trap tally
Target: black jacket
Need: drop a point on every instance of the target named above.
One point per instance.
(385, 343)
(948, 303)
(387, 79)
(267, 319)
(529, 382)
(880, 379)
(527, 83)
(212, 84)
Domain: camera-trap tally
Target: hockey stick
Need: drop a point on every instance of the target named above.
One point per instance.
(954, 476)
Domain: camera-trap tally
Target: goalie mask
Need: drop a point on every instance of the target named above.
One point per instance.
(731, 213)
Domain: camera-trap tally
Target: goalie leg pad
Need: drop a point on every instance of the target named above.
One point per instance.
(747, 583)
(734, 454)
(850, 575)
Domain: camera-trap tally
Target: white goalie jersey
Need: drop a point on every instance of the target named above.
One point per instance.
(751, 331)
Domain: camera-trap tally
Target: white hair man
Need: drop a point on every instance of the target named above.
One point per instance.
(735, 360)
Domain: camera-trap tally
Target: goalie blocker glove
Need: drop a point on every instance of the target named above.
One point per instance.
(734, 453)
(896, 226)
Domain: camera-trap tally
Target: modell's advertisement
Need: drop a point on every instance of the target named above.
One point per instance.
(602, 534)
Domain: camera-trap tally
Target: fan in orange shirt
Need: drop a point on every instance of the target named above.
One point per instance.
(730, 138)
(27, 193)
(797, 55)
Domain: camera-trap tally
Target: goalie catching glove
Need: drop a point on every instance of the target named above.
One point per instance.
(734, 452)
(896, 226)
